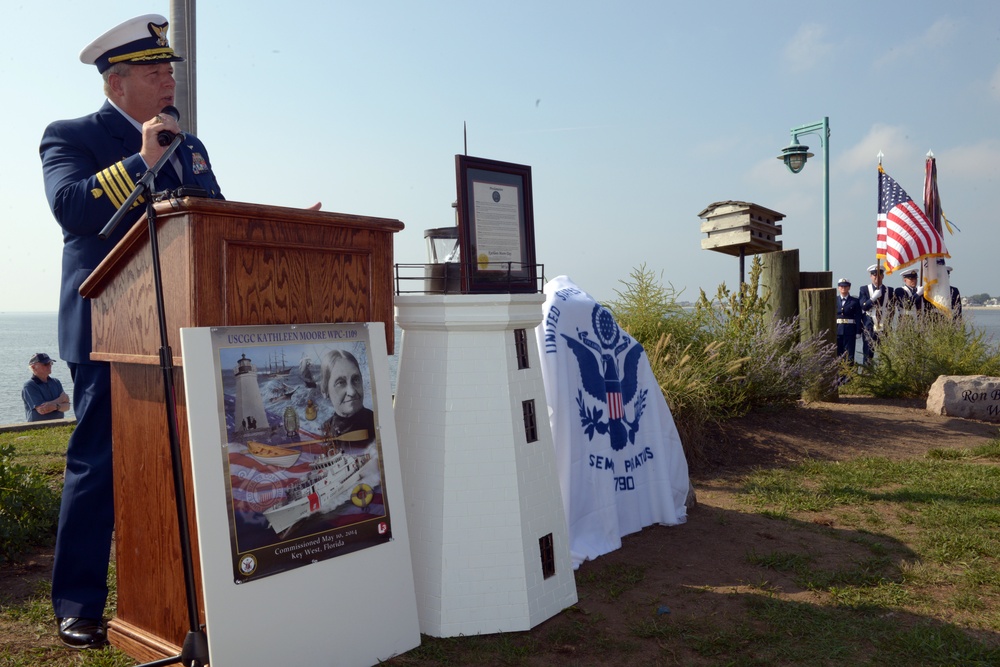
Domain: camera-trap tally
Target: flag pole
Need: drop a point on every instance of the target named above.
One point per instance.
(936, 223)
(878, 260)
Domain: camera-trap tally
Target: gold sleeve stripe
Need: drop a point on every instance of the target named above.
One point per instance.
(117, 184)
(113, 182)
(122, 180)
(113, 196)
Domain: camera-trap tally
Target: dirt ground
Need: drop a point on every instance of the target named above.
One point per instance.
(708, 553)
(700, 569)
(853, 427)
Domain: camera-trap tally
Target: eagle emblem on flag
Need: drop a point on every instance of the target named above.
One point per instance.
(608, 378)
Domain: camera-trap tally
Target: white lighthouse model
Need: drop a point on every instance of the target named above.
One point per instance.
(488, 533)
(250, 414)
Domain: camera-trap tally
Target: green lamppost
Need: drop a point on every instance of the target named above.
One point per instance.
(795, 157)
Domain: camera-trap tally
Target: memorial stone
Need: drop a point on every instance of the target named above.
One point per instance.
(966, 396)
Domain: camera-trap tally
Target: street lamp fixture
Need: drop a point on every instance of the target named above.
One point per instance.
(795, 157)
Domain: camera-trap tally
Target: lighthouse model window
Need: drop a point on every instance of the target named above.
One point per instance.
(530, 423)
(495, 226)
(521, 348)
(546, 550)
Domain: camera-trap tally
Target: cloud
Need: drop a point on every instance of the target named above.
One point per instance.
(888, 139)
(807, 47)
(940, 34)
(973, 162)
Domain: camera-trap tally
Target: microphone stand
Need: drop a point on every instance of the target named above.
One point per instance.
(194, 652)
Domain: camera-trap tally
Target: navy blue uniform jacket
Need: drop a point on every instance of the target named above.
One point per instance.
(848, 308)
(91, 165)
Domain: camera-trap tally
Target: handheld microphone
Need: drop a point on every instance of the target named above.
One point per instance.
(165, 136)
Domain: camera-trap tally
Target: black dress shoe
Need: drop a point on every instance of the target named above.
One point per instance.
(82, 632)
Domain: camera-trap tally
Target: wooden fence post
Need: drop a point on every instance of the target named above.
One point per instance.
(780, 276)
(817, 315)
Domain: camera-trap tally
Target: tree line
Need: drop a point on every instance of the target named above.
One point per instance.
(978, 299)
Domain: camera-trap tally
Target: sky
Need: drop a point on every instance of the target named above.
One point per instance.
(633, 117)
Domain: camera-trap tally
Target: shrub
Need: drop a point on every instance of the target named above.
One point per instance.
(688, 382)
(683, 361)
(648, 310)
(913, 351)
(777, 366)
(29, 509)
(722, 359)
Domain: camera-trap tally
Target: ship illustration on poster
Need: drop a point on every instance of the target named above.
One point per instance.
(274, 368)
(306, 372)
(279, 457)
(325, 488)
(280, 391)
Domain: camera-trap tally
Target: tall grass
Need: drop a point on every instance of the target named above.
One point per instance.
(913, 351)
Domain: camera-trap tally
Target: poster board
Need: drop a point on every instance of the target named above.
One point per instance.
(301, 524)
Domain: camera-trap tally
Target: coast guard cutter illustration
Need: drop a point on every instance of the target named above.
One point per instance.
(326, 487)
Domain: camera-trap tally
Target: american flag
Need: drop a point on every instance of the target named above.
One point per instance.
(905, 235)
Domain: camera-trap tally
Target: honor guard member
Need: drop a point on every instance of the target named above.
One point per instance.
(877, 302)
(91, 165)
(849, 321)
(909, 297)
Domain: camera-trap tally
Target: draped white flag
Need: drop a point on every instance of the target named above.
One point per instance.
(619, 456)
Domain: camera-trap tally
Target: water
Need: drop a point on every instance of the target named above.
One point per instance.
(23, 334)
(985, 319)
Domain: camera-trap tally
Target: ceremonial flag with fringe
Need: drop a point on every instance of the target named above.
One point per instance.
(936, 283)
(905, 235)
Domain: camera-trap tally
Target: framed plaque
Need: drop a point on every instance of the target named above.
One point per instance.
(496, 229)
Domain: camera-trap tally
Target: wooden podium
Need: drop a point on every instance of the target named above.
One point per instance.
(223, 264)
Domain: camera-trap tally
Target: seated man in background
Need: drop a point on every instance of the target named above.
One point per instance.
(43, 395)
